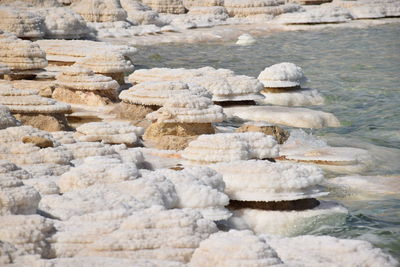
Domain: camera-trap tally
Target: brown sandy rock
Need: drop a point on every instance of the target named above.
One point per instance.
(46, 122)
(134, 112)
(156, 130)
(38, 141)
(91, 98)
(280, 134)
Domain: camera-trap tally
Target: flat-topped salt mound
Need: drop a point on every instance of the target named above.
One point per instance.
(109, 132)
(202, 3)
(298, 97)
(166, 6)
(222, 83)
(100, 10)
(234, 248)
(284, 75)
(238, 8)
(20, 54)
(370, 9)
(320, 251)
(266, 181)
(6, 119)
(21, 22)
(138, 13)
(226, 147)
(295, 117)
(63, 23)
(201, 189)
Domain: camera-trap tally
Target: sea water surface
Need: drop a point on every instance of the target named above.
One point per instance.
(358, 72)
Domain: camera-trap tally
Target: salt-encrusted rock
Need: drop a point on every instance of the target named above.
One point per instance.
(245, 39)
(166, 6)
(238, 8)
(153, 234)
(235, 248)
(222, 83)
(64, 137)
(45, 88)
(32, 3)
(109, 132)
(21, 22)
(208, 13)
(280, 134)
(309, 250)
(31, 109)
(38, 141)
(6, 119)
(21, 56)
(107, 262)
(63, 23)
(138, 13)
(111, 64)
(27, 233)
(200, 188)
(225, 147)
(100, 10)
(322, 14)
(266, 181)
(45, 185)
(16, 134)
(203, 3)
(80, 85)
(15, 197)
(4, 70)
(282, 75)
(97, 170)
(8, 253)
(370, 9)
(81, 150)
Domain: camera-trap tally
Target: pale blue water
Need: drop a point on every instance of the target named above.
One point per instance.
(358, 72)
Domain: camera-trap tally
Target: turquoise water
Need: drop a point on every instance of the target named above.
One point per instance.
(358, 72)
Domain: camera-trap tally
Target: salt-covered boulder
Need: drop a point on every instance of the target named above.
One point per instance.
(245, 39)
(111, 133)
(279, 133)
(310, 250)
(111, 64)
(238, 8)
(234, 248)
(282, 75)
(200, 188)
(31, 109)
(63, 23)
(321, 15)
(80, 85)
(202, 3)
(370, 9)
(138, 13)
(100, 10)
(8, 253)
(166, 6)
(226, 147)
(21, 22)
(6, 119)
(208, 14)
(21, 56)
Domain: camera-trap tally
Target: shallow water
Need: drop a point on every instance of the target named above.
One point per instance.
(358, 72)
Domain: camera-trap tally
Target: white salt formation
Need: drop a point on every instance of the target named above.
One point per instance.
(100, 10)
(166, 6)
(111, 64)
(81, 150)
(21, 22)
(245, 39)
(222, 83)
(31, 109)
(238, 8)
(138, 13)
(319, 15)
(226, 147)
(234, 248)
(200, 188)
(4, 70)
(6, 119)
(322, 251)
(202, 3)
(63, 23)
(370, 9)
(20, 55)
(80, 85)
(109, 133)
(282, 86)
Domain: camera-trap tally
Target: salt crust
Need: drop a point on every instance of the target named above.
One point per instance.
(245, 39)
(370, 9)
(222, 83)
(6, 119)
(4, 69)
(234, 248)
(22, 23)
(300, 97)
(295, 117)
(202, 3)
(322, 14)
(284, 74)
(289, 223)
(319, 251)
(20, 54)
(238, 8)
(111, 62)
(187, 108)
(257, 180)
(166, 6)
(226, 147)
(138, 13)
(100, 10)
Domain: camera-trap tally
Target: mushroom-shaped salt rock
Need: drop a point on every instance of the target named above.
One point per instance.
(138, 13)
(63, 23)
(280, 134)
(22, 23)
(80, 85)
(282, 193)
(245, 39)
(238, 8)
(23, 57)
(166, 6)
(111, 64)
(225, 147)
(184, 116)
(100, 10)
(319, 251)
(319, 15)
(282, 86)
(15, 197)
(109, 133)
(32, 109)
(200, 188)
(6, 119)
(234, 248)
(4, 70)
